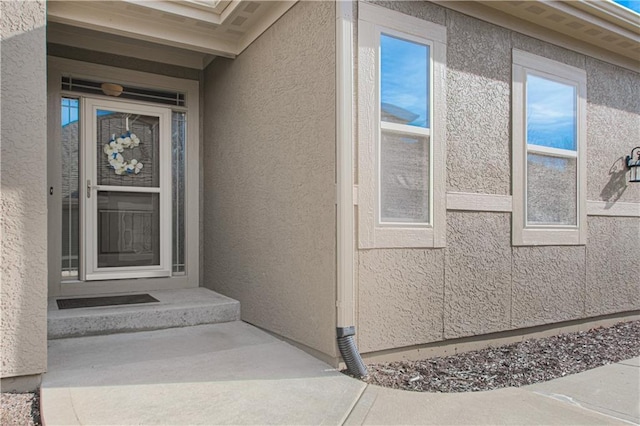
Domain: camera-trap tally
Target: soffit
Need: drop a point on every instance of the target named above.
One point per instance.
(204, 28)
(604, 24)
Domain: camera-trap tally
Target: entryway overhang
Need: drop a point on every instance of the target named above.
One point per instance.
(186, 33)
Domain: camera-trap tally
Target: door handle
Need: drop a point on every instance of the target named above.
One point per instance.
(89, 188)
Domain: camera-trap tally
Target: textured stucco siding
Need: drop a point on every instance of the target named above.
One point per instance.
(478, 99)
(480, 283)
(548, 285)
(269, 177)
(477, 274)
(389, 319)
(613, 253)
(613, 128)
(23, 179)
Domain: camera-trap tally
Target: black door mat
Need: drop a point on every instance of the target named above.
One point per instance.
(92, 302)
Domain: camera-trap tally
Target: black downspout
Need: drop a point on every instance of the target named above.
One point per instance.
(349, 351)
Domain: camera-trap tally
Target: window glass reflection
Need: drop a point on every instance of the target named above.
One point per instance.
(551, 113)
(404, 86)
(70, 143)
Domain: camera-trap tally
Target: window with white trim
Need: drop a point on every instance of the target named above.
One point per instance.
(402, 119)
(549, 143)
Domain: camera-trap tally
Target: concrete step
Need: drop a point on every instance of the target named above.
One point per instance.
(176, 308)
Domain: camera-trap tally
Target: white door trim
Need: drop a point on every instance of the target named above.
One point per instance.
(89, 191)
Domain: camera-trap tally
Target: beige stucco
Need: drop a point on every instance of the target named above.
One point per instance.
(390, 318)
(480, 284)
(613, 251)
(269, 178)
(24, 189)
(478, 98)
(548, 285)
(477, 274)
(613, 129)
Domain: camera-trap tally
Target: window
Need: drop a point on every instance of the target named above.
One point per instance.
(549, 179)
(401, 62)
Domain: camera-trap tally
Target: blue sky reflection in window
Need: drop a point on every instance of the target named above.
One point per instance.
(69, 110)
(404, 85)
(551, 113)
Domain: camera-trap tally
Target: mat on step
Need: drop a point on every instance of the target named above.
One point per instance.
(92, 302)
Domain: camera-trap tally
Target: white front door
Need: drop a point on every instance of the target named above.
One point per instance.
(126, 188)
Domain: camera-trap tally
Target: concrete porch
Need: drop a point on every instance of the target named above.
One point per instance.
(176, 308)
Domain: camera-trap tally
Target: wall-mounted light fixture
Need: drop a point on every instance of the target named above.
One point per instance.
(111, 89)
(633, 163)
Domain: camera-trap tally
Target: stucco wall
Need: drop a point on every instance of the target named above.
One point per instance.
(23, 178)
(269, 173)
(479, 283)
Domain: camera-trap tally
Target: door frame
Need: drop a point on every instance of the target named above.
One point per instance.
(89, 192)
(58, 67)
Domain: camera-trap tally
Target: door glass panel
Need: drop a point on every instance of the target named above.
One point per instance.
(404, 178)
(128, 229)
(127, 149)
(69, 191)
(178, 141)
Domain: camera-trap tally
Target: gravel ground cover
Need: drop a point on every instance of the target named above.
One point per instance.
(515, 365)
(19, 409)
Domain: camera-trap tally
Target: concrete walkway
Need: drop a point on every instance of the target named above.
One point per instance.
(234, 373)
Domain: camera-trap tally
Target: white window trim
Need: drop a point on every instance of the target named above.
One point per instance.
(372, 234)
(191, 278)
(523, 235)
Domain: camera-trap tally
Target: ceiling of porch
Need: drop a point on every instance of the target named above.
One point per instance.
(180, 32)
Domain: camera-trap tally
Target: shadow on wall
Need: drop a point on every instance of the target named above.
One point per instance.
(617, 184)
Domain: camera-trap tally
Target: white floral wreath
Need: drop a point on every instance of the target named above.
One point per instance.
(116, 160)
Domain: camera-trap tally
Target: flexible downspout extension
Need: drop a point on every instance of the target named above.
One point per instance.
(349, 351)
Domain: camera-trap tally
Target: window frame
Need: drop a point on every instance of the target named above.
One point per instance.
(524, 234)
(373, 233)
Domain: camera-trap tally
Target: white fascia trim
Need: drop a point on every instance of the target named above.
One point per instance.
(345, 220)
(606, 21)
(219, 7)
(85, 15)
(184, 8)
(611, 11)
